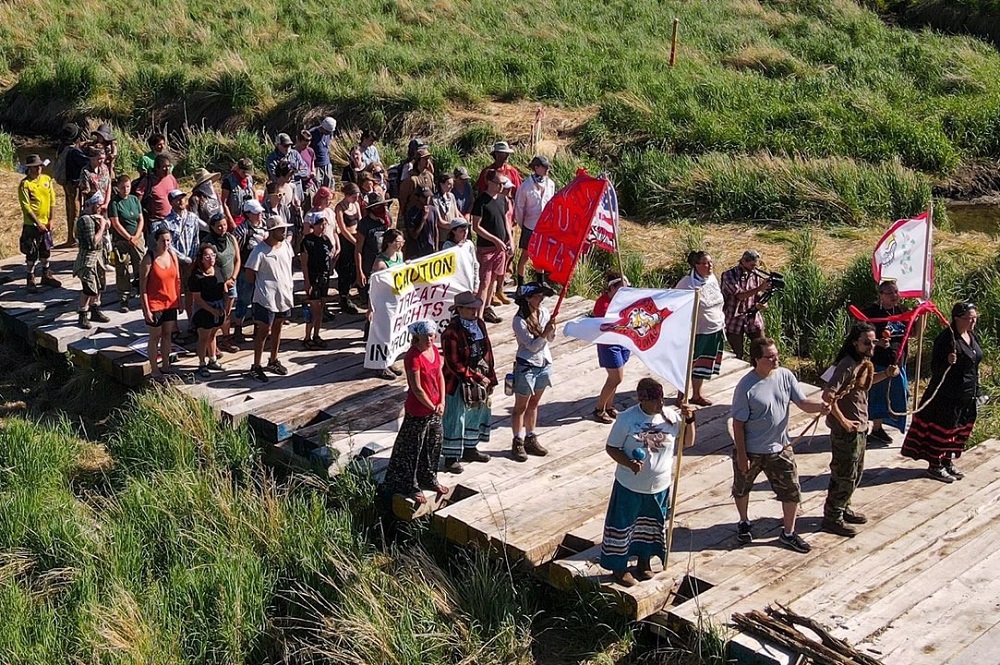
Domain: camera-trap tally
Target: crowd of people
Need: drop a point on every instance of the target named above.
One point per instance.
(213, 256)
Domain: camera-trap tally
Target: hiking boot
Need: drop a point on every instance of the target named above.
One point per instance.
(940, 473)
(532, 447)
(82, 320)
(257, 374)
(97, 315)
(214, 365)
(452, 465)
(501, 297)
(395, 370)
(50, 281)
(852, 517)
(489, 316)
(624, 578)
(387, 374)
(474, 455)
(203, 372)
(879, 435)
(31, 286)
(744, 532)
(517, 450)
(952, 471)
(225, 343)
(793, 541)
(275, 367)
(838, 527)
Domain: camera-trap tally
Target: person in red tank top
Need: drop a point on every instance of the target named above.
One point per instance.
(413, 465)
(160, 295)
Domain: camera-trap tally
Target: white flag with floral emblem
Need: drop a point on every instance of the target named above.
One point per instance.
(654, 324)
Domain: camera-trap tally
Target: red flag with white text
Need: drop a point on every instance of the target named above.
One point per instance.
(564, 227)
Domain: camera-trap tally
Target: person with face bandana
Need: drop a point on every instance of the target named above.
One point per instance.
(413, 464)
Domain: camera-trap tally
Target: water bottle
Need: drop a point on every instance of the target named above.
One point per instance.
(508, 384)
(307, 315)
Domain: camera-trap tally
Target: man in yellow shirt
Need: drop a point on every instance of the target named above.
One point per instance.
(37, 196)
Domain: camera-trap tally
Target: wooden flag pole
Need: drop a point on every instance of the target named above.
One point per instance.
(928, 267)
(679, 444)
(673, 43)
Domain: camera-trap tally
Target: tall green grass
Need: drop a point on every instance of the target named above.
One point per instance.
(793, 80)
(175, 545)
(8, 155)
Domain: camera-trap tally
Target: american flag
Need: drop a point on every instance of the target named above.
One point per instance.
(604, 229)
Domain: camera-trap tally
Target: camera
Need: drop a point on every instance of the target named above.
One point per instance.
(777, 283)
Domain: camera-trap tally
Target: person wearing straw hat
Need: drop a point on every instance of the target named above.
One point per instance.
(269, 269)
(414, 461)
(642, 442)
(371, 229)
(89, 265)
(501, 153)
(760, 437)
(37, 196)
(469, 378)
(204, 200)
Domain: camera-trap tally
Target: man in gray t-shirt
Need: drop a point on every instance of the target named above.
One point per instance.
(760, 433)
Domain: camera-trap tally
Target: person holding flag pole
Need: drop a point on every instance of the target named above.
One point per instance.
(643, 442)
(658, 326)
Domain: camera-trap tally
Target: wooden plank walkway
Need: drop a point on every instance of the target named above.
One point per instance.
(917, 585)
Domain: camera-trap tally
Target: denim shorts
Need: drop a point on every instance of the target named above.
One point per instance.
(529, 380)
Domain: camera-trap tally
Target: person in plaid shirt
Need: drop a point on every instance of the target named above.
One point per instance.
(741, 291)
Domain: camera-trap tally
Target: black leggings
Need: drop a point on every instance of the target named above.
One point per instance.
(347, 270)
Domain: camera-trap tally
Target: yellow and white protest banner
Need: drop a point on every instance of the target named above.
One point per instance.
(421, 289)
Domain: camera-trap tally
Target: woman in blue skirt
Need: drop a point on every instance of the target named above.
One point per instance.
(642, 442)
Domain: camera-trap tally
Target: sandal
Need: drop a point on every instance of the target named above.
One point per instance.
(602, 416)
(701, 401)
(612, 411)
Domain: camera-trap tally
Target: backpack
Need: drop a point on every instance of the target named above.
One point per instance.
(394, 177)
(59, 167)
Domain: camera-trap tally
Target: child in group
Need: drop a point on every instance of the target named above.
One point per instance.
(317, 248)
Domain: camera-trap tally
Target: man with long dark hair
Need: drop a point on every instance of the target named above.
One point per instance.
(847, 394)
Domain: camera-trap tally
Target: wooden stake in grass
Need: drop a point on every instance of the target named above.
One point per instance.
(673, 43)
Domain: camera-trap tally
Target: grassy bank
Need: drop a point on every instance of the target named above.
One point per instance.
(169, 542)
(789, 81)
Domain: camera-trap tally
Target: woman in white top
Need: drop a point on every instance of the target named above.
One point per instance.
(534, 328)
(710, 335)
(642, 443)
(529, 201)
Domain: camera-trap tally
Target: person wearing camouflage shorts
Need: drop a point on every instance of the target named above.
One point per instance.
(760, 437)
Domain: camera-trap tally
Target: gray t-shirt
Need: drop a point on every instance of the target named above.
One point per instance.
(763, 405)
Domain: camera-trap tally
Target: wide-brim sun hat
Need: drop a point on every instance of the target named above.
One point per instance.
(502, 146)
(201, 176)
(275, 222)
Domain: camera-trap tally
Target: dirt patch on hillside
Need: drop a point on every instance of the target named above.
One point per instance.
(514, 122)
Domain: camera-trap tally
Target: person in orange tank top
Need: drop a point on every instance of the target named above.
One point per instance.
(160, 295)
